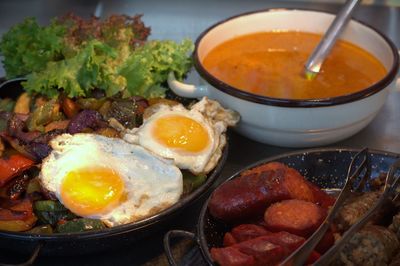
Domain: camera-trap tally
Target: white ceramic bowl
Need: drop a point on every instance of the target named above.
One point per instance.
(294, 123)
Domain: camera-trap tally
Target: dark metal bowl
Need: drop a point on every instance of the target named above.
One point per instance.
(325, 167)
(95, 241)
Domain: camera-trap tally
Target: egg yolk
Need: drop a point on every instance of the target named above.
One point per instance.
(180, 132)
(91, 191)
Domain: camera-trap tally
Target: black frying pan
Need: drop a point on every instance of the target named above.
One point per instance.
(95, 241)
(326, 167)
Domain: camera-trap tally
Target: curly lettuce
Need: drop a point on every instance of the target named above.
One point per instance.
(76, 76)
(74, 56)
(28, 47)
(147, 68)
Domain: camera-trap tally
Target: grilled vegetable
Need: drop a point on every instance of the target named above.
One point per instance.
(6, 105)
(33, 186)
(17, 186)
(50, 212)
(18, 225)
(41, 230)
(13, 166)
(90, 103)
(191, 181)
(16, 215)
(80, 225)
(22, 104)
(44, 115)
(108, 132)
(69, 107)
(2, 148)
(62, 124)
(86, 119)
(128, 112)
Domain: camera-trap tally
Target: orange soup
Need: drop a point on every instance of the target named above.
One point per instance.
(272, 64)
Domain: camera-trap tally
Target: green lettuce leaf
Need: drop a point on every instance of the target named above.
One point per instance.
(147, 68)
(91, 67)
(28, 47)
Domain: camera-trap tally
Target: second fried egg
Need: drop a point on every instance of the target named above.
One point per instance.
(193, 138)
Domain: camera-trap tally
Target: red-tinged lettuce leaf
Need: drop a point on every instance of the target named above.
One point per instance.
(116, 30)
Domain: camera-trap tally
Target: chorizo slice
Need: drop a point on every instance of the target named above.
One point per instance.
(229, 240)
(263, 251)
(288, 241)
(245, 232)
(298, 217)
(231, 256)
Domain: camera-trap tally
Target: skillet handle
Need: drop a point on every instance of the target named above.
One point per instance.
(167, 243)
(31, 259)
(186, 90)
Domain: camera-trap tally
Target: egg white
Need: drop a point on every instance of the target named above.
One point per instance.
(209, 114)
(152, 184)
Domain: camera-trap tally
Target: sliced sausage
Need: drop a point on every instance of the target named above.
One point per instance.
(245, 232)
(248, 195)
(230, 256)
(298, 217)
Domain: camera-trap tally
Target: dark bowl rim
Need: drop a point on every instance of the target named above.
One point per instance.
(201, 238)
(126, 228)
(331, 101)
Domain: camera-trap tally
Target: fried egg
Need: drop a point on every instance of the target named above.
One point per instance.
(106, 178)
(193, 138)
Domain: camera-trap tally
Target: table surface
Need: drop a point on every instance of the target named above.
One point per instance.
(177, 19)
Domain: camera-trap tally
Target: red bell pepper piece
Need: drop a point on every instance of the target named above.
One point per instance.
(16, 209)
(13, 166)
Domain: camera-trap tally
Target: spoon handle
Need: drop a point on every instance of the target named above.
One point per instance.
(314, 63)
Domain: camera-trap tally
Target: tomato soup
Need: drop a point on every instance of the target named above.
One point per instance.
(272, 64)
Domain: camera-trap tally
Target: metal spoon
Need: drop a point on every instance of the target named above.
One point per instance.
(315, 61)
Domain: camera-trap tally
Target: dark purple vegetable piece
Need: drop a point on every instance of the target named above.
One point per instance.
(4, 117)
(17, 128)
(86, 119)
(46, 137)
(32, 144)
(38, 150)
(18, 145)
(39, 147)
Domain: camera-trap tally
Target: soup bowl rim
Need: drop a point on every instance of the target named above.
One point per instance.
(284, 102)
